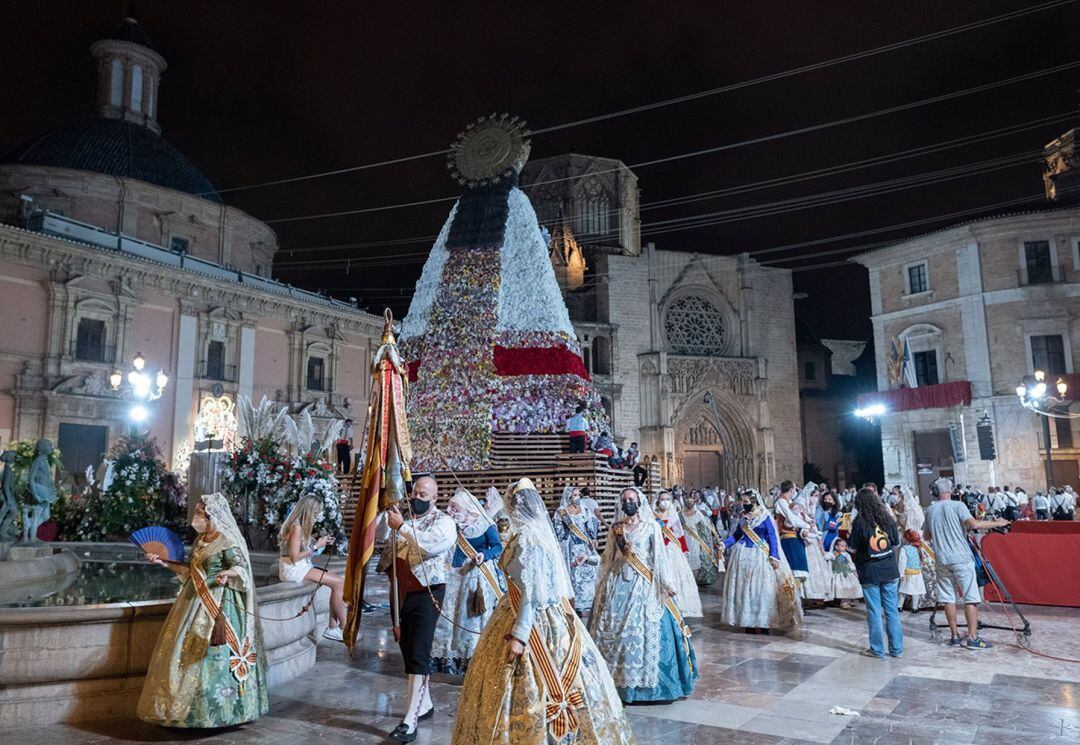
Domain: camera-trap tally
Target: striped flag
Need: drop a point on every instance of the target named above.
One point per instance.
(387, 454)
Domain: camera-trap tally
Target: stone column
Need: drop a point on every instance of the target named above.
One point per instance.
(246, 363)
(184, 381)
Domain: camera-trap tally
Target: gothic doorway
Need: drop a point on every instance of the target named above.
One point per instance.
(702, 468)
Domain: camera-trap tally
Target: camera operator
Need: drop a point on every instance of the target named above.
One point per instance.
(947, 523)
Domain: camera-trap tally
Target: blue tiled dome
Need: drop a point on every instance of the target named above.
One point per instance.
(116, 148)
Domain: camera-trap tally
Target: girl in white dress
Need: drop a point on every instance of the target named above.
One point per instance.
(912, 583)
(294, 564)
(686, 591)
(845, 580)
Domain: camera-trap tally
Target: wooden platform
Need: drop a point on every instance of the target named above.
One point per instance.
(545, 459)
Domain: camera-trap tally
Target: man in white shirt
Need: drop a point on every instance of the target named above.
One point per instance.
(1012, 504)
(424, 545)
(1062, 505)
(1041, 504)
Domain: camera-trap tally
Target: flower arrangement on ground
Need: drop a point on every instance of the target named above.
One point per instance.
(135, 491)
(278, 462)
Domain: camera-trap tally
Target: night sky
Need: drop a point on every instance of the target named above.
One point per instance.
(258, 91)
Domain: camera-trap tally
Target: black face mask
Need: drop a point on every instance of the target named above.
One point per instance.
(629, 508)
(419, 506)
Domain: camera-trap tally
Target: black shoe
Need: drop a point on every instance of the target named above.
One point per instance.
(369, 608)
(401, 733)
(427, 715)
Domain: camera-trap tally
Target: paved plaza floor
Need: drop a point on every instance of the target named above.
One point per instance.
(753, 689)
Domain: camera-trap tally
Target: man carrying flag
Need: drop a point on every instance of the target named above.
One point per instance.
(419, 552)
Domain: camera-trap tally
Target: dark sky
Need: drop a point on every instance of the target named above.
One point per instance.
(257, 91)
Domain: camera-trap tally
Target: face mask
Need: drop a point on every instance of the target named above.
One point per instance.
(575, 500)
(630, 508)
(199, 523)
(419, 506)
(746, 507)
(664, 504)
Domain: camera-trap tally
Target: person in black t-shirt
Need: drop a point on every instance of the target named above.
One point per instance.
(874, 536)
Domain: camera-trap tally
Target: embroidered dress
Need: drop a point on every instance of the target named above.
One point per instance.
(647, 648)
(559, 691)
(577, 536)
(205, 675)
(818, 584)
(911, 578)
(469, 601)
(789, 524)
(755, 594)
(682, 577)
(703, 547)
(845, 580)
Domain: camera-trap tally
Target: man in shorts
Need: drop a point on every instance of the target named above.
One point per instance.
(947, 523)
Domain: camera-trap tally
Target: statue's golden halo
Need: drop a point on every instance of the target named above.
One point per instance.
(489, 149)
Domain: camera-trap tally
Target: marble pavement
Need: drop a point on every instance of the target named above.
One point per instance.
(753, 689)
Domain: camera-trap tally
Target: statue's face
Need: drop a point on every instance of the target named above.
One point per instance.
(44, 447)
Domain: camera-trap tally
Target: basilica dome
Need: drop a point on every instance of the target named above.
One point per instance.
(116, 147)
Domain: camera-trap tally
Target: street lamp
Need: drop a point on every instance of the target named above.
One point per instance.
(140, 385)
(1033, 394)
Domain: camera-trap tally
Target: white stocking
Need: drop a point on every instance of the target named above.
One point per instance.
(412, 705)
(425, 703)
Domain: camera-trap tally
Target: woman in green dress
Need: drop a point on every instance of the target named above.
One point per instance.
(209, 669)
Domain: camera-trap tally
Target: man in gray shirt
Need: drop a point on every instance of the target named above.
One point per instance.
(947, 523)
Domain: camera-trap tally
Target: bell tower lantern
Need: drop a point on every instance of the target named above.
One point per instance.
(128, 73)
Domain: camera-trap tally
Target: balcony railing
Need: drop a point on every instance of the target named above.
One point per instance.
(222, 373)
(90, 352)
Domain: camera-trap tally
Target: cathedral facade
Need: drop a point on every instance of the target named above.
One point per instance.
(694, 354)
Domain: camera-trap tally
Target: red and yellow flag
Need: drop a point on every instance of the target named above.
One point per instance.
(387, 454)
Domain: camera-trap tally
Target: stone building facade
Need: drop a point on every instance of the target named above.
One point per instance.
(979, 307)
(661, 329)
(112, 244)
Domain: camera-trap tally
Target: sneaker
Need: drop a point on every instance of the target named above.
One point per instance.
(956, 641)
(334, 635)
(872, 653)
(977, 643)
(896, 655)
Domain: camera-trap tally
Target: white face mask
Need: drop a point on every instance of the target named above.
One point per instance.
(199, 523)
(665, 503)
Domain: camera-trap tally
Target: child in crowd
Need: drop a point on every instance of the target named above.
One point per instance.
(846, 585)
(911, 579)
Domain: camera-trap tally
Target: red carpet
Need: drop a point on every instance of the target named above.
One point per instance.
(1037, 568)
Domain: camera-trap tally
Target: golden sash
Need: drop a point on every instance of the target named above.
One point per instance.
(755, 538)
(562, 697)
(704, 546)
(669, 602)
(669, 535)
(471, 554)
(242, 655)
(578, 533)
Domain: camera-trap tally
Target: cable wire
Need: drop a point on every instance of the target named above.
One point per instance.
(914, 41)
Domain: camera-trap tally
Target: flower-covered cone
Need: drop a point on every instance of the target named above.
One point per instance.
(488, 339)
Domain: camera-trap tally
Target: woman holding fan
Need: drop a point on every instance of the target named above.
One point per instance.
(208, 669)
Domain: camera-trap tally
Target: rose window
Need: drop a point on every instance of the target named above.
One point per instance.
(695, 326)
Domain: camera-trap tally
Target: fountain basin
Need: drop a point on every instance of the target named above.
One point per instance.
(73, 663)
(52, 572)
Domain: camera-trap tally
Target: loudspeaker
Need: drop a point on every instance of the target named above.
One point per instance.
(985, 431)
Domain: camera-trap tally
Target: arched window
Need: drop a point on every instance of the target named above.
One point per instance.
(593, 211)
(136, 88)
(116, 81)
(695, 326)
